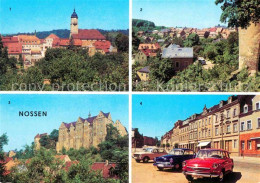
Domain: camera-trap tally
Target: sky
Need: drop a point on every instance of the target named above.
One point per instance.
(158, 113)
(46, 15)
(60, 108)
(181, 13)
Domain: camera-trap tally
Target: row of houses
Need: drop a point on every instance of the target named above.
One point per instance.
(180, 57)
(212, 32)
(233, 125)
(106, 168)
(31, 49)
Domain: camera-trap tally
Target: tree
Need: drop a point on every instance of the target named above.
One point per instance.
(192, 40)
(122, 42)
(239, 13)
(3, 141)
(54, 135)
(161, 70)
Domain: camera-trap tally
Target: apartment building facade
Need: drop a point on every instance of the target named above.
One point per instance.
(233, 125)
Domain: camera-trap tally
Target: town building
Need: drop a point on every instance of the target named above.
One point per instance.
(30, 49)
(86, 132)
(233, 125)
(143, 74)
(249, 138)
(181, 57)
(37, 139)
(152, 48)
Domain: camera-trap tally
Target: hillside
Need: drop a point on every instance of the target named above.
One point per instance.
(64, 33)
(144, 25)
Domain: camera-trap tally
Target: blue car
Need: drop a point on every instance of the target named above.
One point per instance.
(174, 159)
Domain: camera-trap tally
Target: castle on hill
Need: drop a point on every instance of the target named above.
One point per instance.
(30, 48)
(85, 132)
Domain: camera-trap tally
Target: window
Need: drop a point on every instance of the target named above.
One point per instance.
(249, 125)
(257, 144)
(242, 145)
(235, 143)
(216, 131)
(234, 112)
(246, 108)
(209, 133)
(249, 144)
(242, 126)
(235, 127)
(228, 128)
(177, 64)
(227, 114)
(258, 123)
(209, 120)
(257, 106)
(206, 122)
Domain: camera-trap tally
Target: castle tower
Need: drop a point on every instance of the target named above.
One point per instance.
(74, 23)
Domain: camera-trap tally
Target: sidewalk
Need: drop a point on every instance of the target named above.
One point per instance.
(246, 159)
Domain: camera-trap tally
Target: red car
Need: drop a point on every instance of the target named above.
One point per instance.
(211, 163)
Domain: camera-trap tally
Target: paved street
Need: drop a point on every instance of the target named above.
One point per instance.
(244, 172)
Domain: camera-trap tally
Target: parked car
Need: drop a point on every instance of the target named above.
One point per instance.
(174, 159)
(149, 154)
(211, 163)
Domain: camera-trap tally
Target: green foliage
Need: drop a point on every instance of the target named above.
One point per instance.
(161, 69)
(239, 13)
(27, 152)
(70, 70)
(115, 149)
(122, 42)
(192, 40)
(3, 141)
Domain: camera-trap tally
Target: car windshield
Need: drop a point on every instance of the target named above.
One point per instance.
(148, 150)
(210, 154)
(176, 152)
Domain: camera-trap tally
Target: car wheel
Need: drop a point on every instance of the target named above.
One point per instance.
(160, 168)
(138, 161)
(189, 177)
(177, 166)
(221, 176)
(146, 159)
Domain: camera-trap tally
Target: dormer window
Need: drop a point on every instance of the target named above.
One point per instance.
(245, 108)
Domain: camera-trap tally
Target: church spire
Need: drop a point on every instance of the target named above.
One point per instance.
(89, 115)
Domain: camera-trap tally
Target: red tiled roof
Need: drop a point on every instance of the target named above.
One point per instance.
(68, 164)
(103, 45)
(9, 39)
(146, 52)
(213, 29)
(40, 135)
(7, 159)
(64, 42)
(14, 47)
(77, 42)
(103, 167)
(88, 34)
(53, 36)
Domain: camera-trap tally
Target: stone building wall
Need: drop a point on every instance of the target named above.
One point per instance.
(249, 48)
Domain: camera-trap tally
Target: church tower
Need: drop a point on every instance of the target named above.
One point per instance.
(74, 23)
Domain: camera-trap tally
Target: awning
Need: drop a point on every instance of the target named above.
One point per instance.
(254, 138)
(202, 144)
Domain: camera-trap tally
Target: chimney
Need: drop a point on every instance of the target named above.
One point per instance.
(106, 163)
(89, 115)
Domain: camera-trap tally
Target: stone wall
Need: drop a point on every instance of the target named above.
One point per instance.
(249, 48)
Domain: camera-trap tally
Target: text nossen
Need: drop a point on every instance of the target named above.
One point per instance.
(33, 113)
